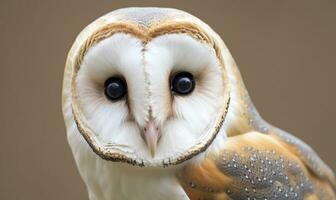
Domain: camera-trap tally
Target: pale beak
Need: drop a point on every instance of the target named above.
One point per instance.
(151, 136)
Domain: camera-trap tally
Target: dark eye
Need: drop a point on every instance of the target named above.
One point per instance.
(115, 88)
(183, 83)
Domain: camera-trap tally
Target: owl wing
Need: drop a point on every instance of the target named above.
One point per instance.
(307, 155)
(259, 166)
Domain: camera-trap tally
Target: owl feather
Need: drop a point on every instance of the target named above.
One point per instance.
(155, 108)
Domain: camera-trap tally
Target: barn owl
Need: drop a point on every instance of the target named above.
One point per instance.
(155, 109)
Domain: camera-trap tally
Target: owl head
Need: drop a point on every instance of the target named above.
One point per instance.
(149, 87)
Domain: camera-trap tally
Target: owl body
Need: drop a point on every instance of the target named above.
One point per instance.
(155, 108)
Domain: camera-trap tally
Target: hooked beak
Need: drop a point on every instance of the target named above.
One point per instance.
(151, 136)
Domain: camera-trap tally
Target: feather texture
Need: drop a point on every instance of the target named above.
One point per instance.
(213, 143)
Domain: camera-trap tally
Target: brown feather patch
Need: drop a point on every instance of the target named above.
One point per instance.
(254, 166)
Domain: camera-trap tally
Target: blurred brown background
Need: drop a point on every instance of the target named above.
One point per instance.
(285, 51)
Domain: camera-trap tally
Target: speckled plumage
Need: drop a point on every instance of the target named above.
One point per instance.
(236, 154)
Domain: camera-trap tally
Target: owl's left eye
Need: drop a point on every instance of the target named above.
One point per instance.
(183, 83)
(115, 88)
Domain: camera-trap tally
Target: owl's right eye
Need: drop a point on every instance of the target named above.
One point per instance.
(115, 88)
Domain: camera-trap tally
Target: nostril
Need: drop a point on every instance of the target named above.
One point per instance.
(145, 129)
